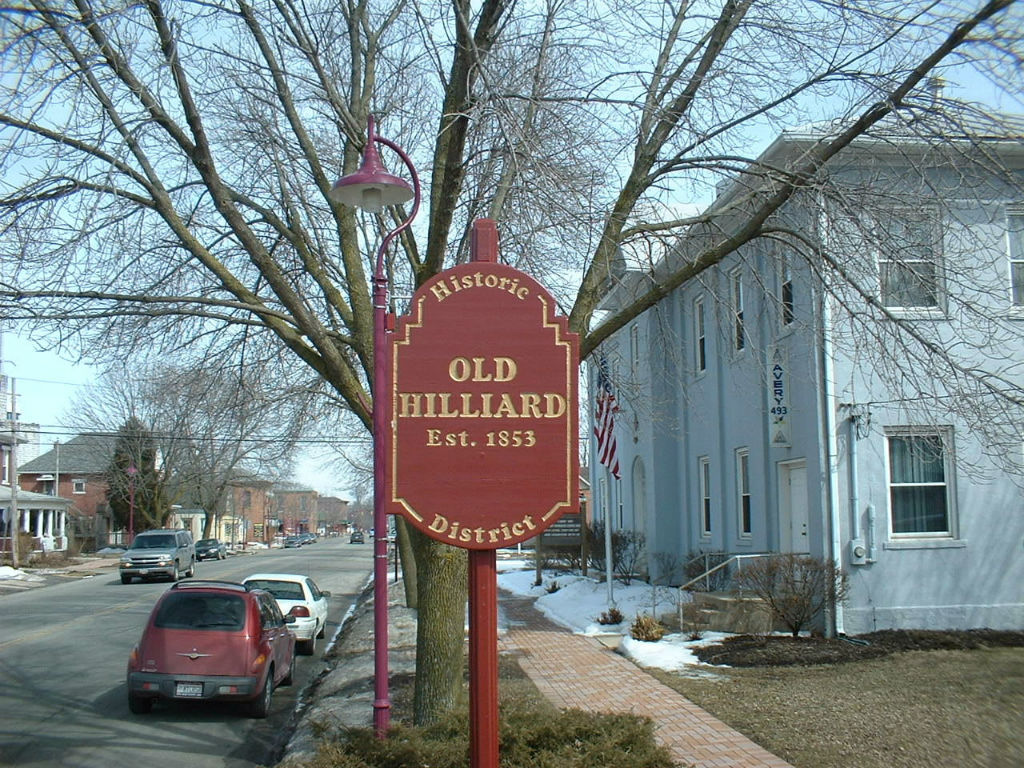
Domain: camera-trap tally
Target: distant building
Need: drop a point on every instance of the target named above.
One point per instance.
(76, 471)
(296, 506)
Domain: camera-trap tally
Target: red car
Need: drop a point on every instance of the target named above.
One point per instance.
(207, 640)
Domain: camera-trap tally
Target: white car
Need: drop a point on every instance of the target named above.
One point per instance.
(300, 597)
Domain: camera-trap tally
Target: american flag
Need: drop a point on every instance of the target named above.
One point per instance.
(604, 419)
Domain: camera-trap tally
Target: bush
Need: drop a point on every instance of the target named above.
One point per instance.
(559, 739)
(646, 628)
(627, 549)
(611, 616)
(796, 588)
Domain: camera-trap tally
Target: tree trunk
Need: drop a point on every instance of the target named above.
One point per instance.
(442, 573)
(408, 560)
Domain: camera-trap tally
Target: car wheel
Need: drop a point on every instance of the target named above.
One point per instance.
(126, 579)
(308, 646)
(290, 677)
(191, 569)
(260, 706)
(175, 573)
(323, 631)
(140, 705)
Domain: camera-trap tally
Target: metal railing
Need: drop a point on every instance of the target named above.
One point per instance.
(717, 578)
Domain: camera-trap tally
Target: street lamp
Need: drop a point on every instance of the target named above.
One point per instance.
(132, 471)
(373, 188)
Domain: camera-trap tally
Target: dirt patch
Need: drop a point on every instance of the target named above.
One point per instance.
(780, 651)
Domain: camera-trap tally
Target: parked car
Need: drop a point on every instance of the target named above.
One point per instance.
(292, 541)
(308, 537)
(211, 549)
(164, 553)
(208, 640)
(356, 538)
(296, 596)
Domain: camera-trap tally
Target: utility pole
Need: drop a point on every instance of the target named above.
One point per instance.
(16, 518)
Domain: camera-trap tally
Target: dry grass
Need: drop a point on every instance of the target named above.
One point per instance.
(919, 708)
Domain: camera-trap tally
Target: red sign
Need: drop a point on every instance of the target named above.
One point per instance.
(483, 409)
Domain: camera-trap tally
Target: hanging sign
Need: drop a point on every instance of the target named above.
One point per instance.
(779, 427)
(484, 446)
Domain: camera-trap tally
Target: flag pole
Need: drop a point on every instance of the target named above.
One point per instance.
(608, 541)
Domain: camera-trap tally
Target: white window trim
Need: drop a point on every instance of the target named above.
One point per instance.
(737, 322)
(1013, 211)
(742, 465)
(785, 278)
(704, 489)
(938, 310)
(945, 434)
(74, 484)
(700, 336)
(634, 351)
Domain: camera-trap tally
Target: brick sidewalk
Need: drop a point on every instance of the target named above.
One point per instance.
(555, 658)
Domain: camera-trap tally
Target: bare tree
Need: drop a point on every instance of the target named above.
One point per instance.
(212, 427)
(166, 165)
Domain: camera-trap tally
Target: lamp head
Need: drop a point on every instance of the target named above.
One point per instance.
(371, 187)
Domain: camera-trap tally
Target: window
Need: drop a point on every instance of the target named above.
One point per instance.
(919, 497)
(785, 289)
(743, 491)
(736, 294)
(78, 486)
(700, 335)
(908, 265)
(704, 473)
(1015, 237)
(634, 351)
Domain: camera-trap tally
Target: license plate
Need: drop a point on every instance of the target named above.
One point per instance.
(143, 571)
(193, 690)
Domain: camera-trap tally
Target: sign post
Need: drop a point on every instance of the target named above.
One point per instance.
(484, 431)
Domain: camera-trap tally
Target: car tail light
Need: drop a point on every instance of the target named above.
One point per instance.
(259, 661)
(300, 610)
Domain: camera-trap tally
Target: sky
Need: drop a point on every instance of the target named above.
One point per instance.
(578, 602)
(47, 385)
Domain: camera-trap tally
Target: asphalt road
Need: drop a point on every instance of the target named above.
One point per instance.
(63, 650)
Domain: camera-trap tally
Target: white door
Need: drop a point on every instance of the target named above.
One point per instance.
(793, 507)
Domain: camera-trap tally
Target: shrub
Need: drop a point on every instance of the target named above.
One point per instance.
(566, 739)
(796, 588)
(552, 587)
(611, 616)
(627, 550)
(646, 628)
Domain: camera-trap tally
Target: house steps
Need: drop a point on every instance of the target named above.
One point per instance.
(726, 612)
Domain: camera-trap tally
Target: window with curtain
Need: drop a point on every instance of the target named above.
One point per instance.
(919, 497)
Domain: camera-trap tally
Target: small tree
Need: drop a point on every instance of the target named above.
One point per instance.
(627, 549)
(136, 494)
(796, 588)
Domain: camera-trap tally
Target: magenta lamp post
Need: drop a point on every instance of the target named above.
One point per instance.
(373, 188)
(132, 471)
